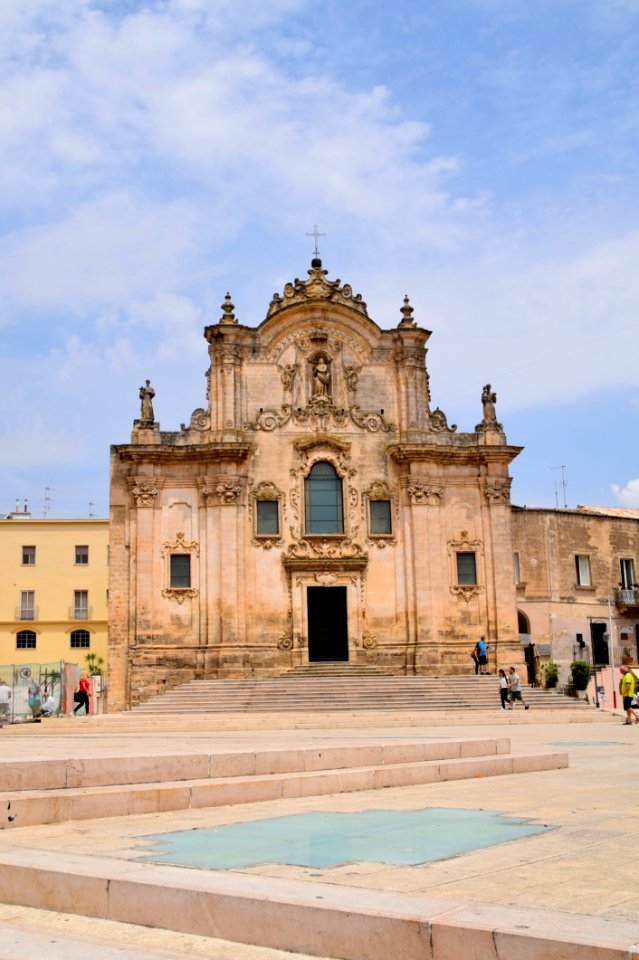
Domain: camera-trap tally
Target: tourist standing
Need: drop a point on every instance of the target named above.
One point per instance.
(475, 658)
(514, 689)
(482, 656)
(5, 700)
(503, 689)
(34, 698)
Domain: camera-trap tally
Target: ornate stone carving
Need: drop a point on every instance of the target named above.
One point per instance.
(321, 377)
(326, 579)
(228, 311)
(439, 423)
(180, 593)
(325, 548)
(317, 287)
(466, 591)
(222, 490)
(407, 314)
(147, 393)
(181, 545)
(424, 491)
(498, 491)
(331, 338)
(351, 375)
(285, 642)
(200, 420)
(288, 373)
(144, 493)
(369, 641)
(489, 423)
(370, 420)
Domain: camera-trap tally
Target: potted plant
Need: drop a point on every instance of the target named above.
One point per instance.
(626, 656)
(580, 671)
(95, 664)
(551, 675)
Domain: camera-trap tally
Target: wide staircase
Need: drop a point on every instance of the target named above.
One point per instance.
(324, 688)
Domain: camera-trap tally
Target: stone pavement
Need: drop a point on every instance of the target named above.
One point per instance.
(577, 881)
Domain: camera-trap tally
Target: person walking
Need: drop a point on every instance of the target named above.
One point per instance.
(628, 689)
(82, 696)
(503, 689)
(514, 689)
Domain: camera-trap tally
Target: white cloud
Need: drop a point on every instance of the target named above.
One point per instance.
(627, 496)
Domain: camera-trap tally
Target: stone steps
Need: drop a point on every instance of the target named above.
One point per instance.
(313, 693)
(77, 789)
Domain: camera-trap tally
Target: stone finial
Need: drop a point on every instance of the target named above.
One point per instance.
(407, 314)
(228, 314)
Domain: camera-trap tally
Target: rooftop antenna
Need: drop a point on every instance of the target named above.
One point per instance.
(562, 467)
(47, 501)
(91, 506)
(317, 235)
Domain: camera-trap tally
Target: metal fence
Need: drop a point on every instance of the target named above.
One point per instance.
(35, 689)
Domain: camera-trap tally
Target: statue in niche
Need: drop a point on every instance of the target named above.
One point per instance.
(289, 372)
(321, 377)
(488, 398)
(146, 402)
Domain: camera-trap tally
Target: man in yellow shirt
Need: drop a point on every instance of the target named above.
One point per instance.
(628, 689)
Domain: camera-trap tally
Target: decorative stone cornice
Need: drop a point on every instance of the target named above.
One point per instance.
(181, 545)
(180, 593)
(316, 288)
(170, 452)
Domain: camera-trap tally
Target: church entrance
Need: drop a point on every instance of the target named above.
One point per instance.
(327, 633)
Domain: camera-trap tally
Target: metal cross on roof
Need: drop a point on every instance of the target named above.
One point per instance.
(315, 234)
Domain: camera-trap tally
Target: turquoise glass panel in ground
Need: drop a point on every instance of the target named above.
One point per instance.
(328, 839)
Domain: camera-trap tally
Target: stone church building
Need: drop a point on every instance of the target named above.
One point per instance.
(317, 508)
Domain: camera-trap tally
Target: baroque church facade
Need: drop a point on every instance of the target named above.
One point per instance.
(316, 509)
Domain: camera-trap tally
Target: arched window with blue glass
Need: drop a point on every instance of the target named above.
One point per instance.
(323, 500)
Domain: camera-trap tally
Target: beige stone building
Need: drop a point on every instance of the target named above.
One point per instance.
(577, 592)
(317, 507)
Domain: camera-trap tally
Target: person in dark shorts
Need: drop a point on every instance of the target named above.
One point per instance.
(482, 655)
(514, 689)
(627, 689)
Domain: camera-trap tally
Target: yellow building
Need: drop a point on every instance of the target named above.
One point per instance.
(53, 595)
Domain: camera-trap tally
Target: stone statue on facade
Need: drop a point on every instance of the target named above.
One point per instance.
(321, 377)
(488, 399)
(146, 403)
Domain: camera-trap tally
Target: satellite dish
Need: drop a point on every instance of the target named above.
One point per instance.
(25, 673)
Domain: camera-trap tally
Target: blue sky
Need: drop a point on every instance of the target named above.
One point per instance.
(479, 155)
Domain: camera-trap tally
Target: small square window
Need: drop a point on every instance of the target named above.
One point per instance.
(582, 566)
(466, 569)
(180, 570)
(28, 556)
(380, 517)
(267, 518)
(82, 554)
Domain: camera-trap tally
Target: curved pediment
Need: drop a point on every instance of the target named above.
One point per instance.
(316, 288)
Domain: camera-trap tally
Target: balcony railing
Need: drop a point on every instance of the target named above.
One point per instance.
(627, 596)
(26, 613)
(80, 613)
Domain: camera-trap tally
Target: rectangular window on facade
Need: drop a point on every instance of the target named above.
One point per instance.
(267, 518)
(80, 604)
(80, 639)
(517, 568)
(180, 570)
(82, 554)
(582, 569)
(380, 517)
(26, 610)
(25, 640)
(28, 556)
(627, 569)
(466, 569)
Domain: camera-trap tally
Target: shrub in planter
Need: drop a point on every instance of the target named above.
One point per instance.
(580, 674)
(551, 675)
